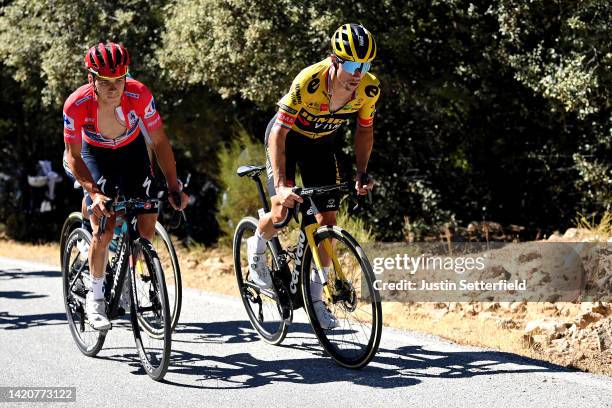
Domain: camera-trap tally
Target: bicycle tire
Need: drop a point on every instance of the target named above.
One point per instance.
(273, 333)
(155, 369)
(75, 313)
(328, 337)
(176, 297)
(73, 221)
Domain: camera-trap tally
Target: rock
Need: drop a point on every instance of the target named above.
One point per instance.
(491, 307)
(570, 233)
(518, 307)
(523, 258)
(595, 307)
(498, 271)
(541, 339)
(545, 326)
(572, 331)
(506, 323)
(586, 318)
(440, 305)
(560, 344)
(454, 307)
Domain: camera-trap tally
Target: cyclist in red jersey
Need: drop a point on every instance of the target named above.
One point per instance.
(105, 122)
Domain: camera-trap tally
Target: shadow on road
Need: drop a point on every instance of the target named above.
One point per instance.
(18, 294)
(391, 368)
(16, 322)
(19, 274)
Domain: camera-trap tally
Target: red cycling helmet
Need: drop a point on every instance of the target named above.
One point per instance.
(108, 61)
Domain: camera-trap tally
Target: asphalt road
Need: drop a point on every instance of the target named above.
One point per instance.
(218, 361)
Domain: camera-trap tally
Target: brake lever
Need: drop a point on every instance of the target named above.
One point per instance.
(364, 180)
(104, 219)
(296, 211)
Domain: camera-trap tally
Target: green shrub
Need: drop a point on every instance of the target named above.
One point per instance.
(238, 197)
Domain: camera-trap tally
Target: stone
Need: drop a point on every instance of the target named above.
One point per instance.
(545, 326)
(523, 258)
(518, 307)
(570, 233)
(586, 318)
(595, 307)
(506, 323)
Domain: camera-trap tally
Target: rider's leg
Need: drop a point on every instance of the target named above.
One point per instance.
(146, 225)
(97, 254)
(266, 223)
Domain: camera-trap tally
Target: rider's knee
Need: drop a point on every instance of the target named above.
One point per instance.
(326, 218)
(146, 229)
(278, 212)
(105, 238)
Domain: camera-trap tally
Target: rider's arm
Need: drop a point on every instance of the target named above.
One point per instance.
(79, 169)
(73, 125)
(276, 145)
(165, 157)
(364, 140)
(364, 134)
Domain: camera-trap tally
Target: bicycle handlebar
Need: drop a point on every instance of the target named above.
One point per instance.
(133, 204)
(316, 191)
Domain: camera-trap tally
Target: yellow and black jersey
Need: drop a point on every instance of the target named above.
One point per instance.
(305, 109)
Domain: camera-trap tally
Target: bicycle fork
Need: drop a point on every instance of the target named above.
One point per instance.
(338, 276)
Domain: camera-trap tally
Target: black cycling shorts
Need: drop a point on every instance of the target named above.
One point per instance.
(317, 163)
(126, 170)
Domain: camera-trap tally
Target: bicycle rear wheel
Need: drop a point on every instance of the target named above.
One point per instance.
(76, 282)
(262, 306)
(172, 273)
(354, 301)
(150, 311)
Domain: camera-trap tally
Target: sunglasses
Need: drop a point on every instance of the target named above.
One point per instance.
(352, 66)
(109, 78)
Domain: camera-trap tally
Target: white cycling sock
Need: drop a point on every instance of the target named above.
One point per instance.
(97, 287)
(317, 280)
(258, 244)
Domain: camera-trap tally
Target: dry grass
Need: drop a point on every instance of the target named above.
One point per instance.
(464, 330)
(44, 253)
(600, 230)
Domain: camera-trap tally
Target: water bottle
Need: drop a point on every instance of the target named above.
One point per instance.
(118, 231)
(83, 250)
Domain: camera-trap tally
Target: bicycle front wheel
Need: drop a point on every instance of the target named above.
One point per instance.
(73, 221)
(76, 282)
(262, 305)
(172, 272)
(349, 295)
(150, 311)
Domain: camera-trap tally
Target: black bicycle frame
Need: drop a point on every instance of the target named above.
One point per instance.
(290, 276)
(120, 269)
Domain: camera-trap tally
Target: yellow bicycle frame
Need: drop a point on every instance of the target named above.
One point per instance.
(309, 231)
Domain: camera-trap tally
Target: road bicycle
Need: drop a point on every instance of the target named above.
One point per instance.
(164, 248)
(348, 291)
(135, 269)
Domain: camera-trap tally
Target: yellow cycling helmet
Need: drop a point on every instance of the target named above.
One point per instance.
(352, 42)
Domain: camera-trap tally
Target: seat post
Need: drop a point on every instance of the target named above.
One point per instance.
(260, 190)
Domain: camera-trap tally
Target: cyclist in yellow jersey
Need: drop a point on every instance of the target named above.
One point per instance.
(321, 99)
